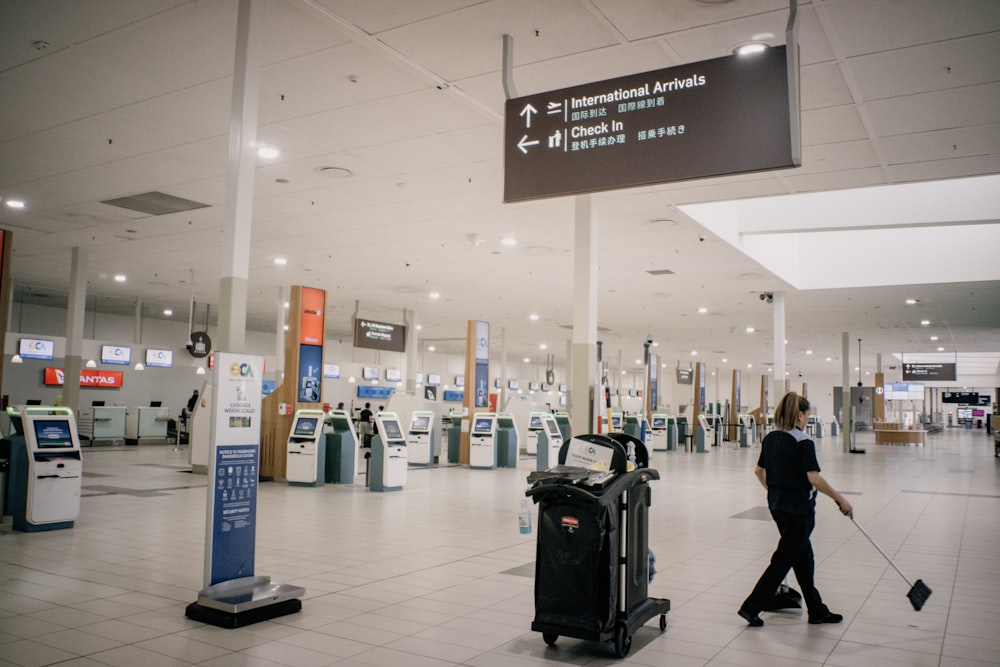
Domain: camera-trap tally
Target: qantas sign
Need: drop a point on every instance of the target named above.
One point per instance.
(88, 378)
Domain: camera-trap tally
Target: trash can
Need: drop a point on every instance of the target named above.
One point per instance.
(592, 553)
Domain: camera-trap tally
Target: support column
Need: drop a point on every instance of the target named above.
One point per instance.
(582, 362)
(778, 376)
(846, 423)
(237, 218)
(137, 336)
(76, 310)
(410, 349)
(279, 336)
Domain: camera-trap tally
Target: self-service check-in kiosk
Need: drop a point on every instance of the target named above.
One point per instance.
(507, 447)
(633, 426)
(702, 434)
(389, 456)
(47, 470)
(656, 438)
(562, 418)
(483, 441)
(534, 428)
(455, 437)
(420, 439)
(815, 426)
(341, 448)
(748, 429)
(306, 459)
(550, 441)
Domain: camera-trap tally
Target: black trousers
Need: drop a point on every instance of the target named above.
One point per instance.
(794, 552)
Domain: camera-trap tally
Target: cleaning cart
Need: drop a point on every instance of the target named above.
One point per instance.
(592, 555)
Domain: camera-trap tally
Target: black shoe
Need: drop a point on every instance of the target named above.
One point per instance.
(752, 619)
(829, 618)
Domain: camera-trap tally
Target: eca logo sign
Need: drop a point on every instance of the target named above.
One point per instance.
(242, 370)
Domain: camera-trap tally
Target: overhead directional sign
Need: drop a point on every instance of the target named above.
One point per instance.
(723, 116)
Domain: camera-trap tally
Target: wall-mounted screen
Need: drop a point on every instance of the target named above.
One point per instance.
(305, 426)
(533, 386)
(965, 413)
(545, 387)
(562, 387)
(512, 384)
(116, 354)
(978, 413)
(53, 434)
(483, 426)
(420, 423)
(331, 371)
(34, 348)
(393, 375)
(459, 380)
(267, 387)
(433, 380)
(392, 431)
(159, 358)
(454, 396)
(369, 372)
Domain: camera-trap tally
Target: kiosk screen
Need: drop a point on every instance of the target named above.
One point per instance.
(306, 426)
(392, 431)
(616, 422)
(659, 422)
(53, 434)
(420, 423)
(536, 422)
(483, 426)
(553, 428)
(340, 423)
(505, 422)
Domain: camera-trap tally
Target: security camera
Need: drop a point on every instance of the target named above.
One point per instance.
(767, 296)
(649, 341)
(701, 237)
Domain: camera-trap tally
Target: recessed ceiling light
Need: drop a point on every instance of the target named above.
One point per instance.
(419, 327)
(770, 370)
(431, 348)
(829, 358)
(655, 344)
(14, 203)
(168, 312)
(934, 338)
(543, 346)
(533, 317)
(925, 323)
(526, 360)
(809, 351)
(120, 278)
(749, 365)
(694, 353)
(911, 302)
(281, 261)
(435, 295)
(940, 349)
(268, 152)
(724, 360)
(703, 310)
(334, 172)
(287, 304)
(750, 329)
(508, 241)
(751, 48)
(285, 327)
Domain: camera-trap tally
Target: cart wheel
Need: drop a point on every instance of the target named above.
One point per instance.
(550, 638)
(663, 622)
(622, 641)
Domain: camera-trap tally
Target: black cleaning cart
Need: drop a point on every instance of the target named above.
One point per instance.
(592, 556)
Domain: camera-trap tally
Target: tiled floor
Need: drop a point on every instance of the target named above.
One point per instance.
(421, 577)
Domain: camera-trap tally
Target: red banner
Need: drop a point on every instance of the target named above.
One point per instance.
(311, 319)
(88, 378)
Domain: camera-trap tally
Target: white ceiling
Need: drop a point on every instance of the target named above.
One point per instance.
(131, 96)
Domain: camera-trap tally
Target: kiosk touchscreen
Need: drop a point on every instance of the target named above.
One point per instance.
(616, 422)
(306, 464)
(562, 418)
(420, 438)
(657, 434)
(389, 455)
(550, 441)
(48, 469)
(483, 441)
(534, 427)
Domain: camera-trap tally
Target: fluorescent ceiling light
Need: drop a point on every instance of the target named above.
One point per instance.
(120, 277)
(268, 152)
(435, 295)
(281, 261)
(14, 203)
(508, 241)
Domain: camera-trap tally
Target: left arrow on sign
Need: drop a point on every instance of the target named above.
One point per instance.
(524, 143)
(526, 112)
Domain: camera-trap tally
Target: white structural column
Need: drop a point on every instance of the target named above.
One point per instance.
(582, 362)
(846, 423)
(76, 310)
(281, 321)
(778, 381)
(237, 218)
(410, 347)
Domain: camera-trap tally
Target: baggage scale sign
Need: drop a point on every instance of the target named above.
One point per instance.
(727, 115)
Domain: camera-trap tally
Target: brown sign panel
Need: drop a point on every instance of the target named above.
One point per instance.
(379, 335)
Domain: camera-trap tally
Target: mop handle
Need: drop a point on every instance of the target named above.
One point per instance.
(884, 554)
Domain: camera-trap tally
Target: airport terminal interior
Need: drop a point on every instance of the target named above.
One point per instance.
(395, 202)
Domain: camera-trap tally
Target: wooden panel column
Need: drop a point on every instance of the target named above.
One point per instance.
(878, 404)
(734, 407)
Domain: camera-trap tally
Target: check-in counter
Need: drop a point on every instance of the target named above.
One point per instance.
(147, 426)
(102, 425)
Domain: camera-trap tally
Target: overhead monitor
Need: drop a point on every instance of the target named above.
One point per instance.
(965, 413)
(459, 380)
(369, 372)
(391, 428)
(97, 404)
(116, 354)
(512, 384)
(536, 422)
(159, 358)
(156, 404)
(433, 380)
(53, 434)
(533, 386)
(483, 426)
(305, 427)
(34, 348)
(393, 375)
(420, 422)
